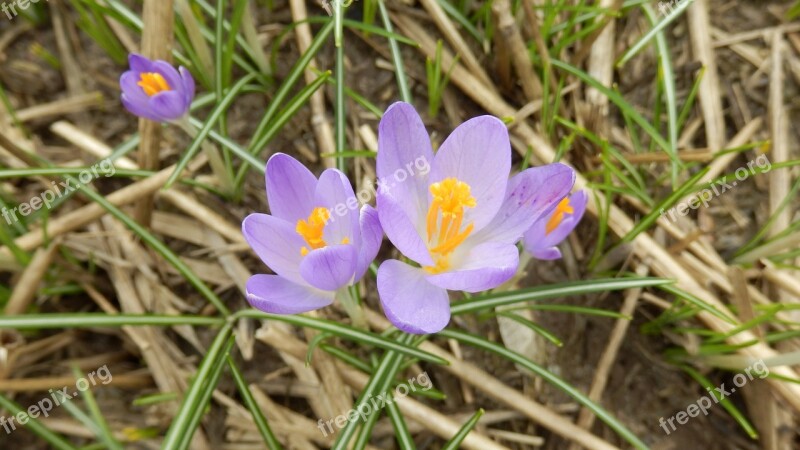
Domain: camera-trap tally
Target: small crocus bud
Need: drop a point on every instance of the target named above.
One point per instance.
(546, 233)
(155, 90)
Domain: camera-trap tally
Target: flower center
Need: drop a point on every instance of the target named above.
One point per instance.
(555, 220)
(153, 83)
(445, 218)
(313, 228)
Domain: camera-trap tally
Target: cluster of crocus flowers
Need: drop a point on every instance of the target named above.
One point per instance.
(457, 225)
(155, 90)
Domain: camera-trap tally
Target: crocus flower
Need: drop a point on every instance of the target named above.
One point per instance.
(155, 90)
(459, 221)
(316, 241)
(541, 239)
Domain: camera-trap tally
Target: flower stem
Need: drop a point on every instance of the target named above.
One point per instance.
(214, 159)
(350, 301)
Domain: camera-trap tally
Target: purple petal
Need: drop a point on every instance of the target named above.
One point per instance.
(536, 239)
(139, 109)
(484, 267)
(129, 84)
(330, 268)
(290, 188)
(172, 77)
(277, 243)
(335, 193)
(188, 85)
(404, 160)
(139, 63)
(371, 238)
(546, 254)
(478, 153)
(401, 230)
(409, 301)
(133, 97)
(169, 105)
(273, 294)
(531, 194)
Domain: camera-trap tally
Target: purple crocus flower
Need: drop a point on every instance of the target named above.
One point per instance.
(316, 241)
(155, 90)
(541, 239)
(460, 221)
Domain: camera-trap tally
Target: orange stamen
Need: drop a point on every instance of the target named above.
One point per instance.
(313, 229)
(153, 83)
(563, 207)
(450, 198)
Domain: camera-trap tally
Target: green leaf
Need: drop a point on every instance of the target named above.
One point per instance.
(345, 332)
(270, 440)
(88, 320)
(455, 442)
(184, 424)
(493, 300)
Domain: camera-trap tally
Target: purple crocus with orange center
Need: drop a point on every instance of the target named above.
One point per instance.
(155, 90)
(460, 221)
(316, 241)
(546, 233)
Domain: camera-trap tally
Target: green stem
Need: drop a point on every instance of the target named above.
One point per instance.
(352, 307)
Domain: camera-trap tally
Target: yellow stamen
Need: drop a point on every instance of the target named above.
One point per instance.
(313, 228)
(450, 197)
(153, 83)
(558, 215)
(442, 264)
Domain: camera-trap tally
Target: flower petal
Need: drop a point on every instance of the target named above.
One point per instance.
(409, 301)
(404, 158)
(139, 109)
(129, 84)
(133, 97)
(277, 295)
(335, 193)
(531, 194)
(371, 238)
(188, 84)
(290, 188)
(171, 76)
(401, 230)
(485, 266)
(537, 238)
(139, 63)
(169, 105)
(331, 267)
(276, 243)
(477, 152)
(546, 254)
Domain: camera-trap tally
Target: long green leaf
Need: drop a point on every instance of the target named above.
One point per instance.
(181, 428)
(258, 417)
(490, 301)
(345, 332)
(88, 320)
